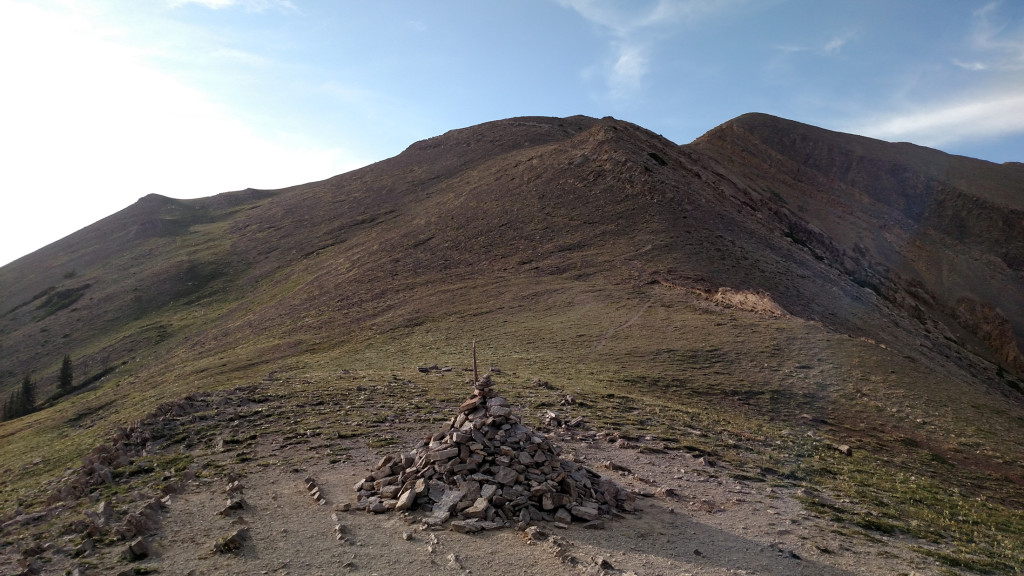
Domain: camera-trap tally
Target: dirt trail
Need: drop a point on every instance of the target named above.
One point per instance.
(694, 518)
(624, 325)
(712, 526)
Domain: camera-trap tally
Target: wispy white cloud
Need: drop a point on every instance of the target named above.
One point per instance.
(973, 66)
(997, 41)
(836, 43)
(952, 106)
(211, 4)
(830, 47)
(625, 18)
(791, 48)
(629, 70)
(631, 26)
(250, 5)
(968, 120)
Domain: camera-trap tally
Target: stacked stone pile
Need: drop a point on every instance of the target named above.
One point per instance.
(101, 465)
(484, 469)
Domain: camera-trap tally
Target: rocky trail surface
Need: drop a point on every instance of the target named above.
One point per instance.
(261, 492)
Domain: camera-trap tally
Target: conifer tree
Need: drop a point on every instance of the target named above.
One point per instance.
(8, 406)
(67, 374)
(14, 407)
(27, 396)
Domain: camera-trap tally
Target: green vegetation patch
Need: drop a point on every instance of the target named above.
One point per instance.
(58, 300)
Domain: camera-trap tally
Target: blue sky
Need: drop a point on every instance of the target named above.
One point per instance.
(105, 101)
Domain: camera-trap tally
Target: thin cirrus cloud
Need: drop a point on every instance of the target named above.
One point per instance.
(973, 66)
(993, 116)
(994, 50)
(837, 43)
(1000, 45)
(251, 5)
(630, 26)
(625, 19)
(833, 46)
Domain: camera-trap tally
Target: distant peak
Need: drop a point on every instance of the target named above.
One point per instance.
(758, 122)
(155, 200)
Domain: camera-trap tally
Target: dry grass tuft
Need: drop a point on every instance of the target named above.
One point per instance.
(759, 302)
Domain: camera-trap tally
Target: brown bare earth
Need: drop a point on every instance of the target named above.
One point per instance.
(814, 339)
(696, 515)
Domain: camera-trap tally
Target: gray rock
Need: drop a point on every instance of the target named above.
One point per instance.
(497, 401)
(136, 525)
(562, 515)
(505, 475)
(85, 548)
(478, 509)
(447, 503)
(487, 491)
(139, 549)
(470, 489)
(436, 490)
(535, 534)
(105, 510)
(235, 502)
(466, 526)
(584, 513)
(405, 501)
(233, 542)
(498, 411)
(446, 454)
(375, 505)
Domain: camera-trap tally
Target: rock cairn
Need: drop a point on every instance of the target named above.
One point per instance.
(484, 469)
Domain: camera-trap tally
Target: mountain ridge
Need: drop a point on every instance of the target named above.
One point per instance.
(769, 276)
(630, 176)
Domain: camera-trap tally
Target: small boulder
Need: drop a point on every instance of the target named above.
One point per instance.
(138, 550)
(478, 509)
(562, 515)
(233, 542)
(466, 526)
(584, 513)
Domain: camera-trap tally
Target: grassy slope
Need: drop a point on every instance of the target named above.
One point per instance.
(398, 267)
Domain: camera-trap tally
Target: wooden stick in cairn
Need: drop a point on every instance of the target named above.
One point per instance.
(475, 377)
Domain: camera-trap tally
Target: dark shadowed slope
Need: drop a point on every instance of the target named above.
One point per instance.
(939, 237)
